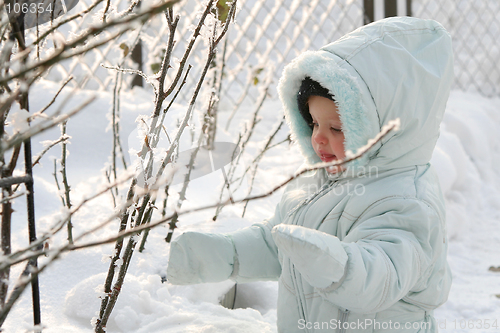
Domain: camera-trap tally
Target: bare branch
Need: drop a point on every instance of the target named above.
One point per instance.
(65, 181)
(41, 66)
(182, 63)
(52, 144)
(43, 126)
(147, 78)
(53, 99)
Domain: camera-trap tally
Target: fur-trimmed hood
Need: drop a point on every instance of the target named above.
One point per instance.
(394, 68)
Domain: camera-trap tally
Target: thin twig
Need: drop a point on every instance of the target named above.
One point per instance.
(65, 181)
(149, 79)
(245, 137)
(69, 19)
(30, 251)
(54, 99)
(57, 183)
(257, 159)
(108, 177)
(52, 144)
(182, 193)
(106, 8)
(16, 195)
(161, 96)
(42, 127)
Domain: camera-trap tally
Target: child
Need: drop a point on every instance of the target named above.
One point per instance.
(362, 248)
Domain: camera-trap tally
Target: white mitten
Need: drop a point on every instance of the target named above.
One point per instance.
(197, 257)
(319, 257)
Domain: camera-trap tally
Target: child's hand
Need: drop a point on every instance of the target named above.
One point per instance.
(319, 257)
(197, 257)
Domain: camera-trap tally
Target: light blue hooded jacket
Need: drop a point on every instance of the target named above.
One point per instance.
(384, 216)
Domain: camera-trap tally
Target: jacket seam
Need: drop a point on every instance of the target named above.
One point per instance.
(385, 33)
(346, 213)
(332, 216)
(373, 204)
(387, 281)
(419, 258)
(417, 303)
(287, 286)
(350, 218)
(386, 261)
(311, 295)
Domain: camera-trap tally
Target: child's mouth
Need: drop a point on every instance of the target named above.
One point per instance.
(327, 157)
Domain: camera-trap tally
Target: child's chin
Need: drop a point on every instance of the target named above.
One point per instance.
(334, 169)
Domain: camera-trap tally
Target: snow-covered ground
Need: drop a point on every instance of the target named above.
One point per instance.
(467, 159)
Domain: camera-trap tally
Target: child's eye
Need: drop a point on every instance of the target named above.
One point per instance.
(313, 124)
(336, 129)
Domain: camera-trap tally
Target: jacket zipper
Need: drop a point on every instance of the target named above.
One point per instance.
(301, 303)
(344, 314)
(311, 197)
(299, 290)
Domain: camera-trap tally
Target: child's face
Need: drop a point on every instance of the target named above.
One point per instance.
(327, 138)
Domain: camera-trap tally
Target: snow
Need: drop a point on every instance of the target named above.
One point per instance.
(466, 159)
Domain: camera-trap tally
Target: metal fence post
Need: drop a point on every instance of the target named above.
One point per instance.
(369, 11)
(30, 198)
(390, 8)
(136, 56)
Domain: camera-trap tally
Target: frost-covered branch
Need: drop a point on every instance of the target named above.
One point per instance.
(55, 96)
(255, 162)
(69, 49)
(18, 72)
(65, 181)
(145, 209)
(245, 137)
(48, 146)
(42, 127)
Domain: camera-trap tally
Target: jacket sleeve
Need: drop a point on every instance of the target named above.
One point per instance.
(246, 255)
(256, 254)
(391, 251)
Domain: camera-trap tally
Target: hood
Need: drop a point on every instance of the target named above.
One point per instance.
(398, 67)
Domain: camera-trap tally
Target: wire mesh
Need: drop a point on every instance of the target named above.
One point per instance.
(268, 34)
(475, 30)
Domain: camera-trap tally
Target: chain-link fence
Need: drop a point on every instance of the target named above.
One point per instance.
(268, 34)
(475, 29)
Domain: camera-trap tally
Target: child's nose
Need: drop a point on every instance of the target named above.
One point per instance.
(319, 138)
